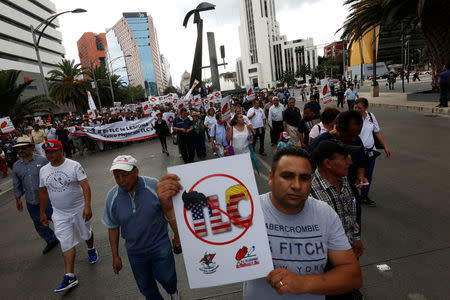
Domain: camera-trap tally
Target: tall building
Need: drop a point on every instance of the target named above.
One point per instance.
(134, 52)
(166, 70)
(265, 54)
(333, 49)
(16, 42)
(92, 49)
(185, 82)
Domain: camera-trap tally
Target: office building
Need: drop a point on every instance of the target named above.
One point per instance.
(166, 71)
(16, 42)
(265, 54)
(134, 52)
(92, 49)
(185, 81)
(334, 49)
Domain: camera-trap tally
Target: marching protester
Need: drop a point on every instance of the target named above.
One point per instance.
(291, 122)
(275, 120)
(50, 131)
(10, 152)
(370, 131)
(64, 182)
(209, 122)
(310, 119)
(239, 135)
(39, 137)
(162, 130)
(182, 125)
(314, 104)
(199, 135)
(258, 119)
(149, 251)
(288, 205)
(26, 181)
(350, 96)
(327, 122)
(219, 136)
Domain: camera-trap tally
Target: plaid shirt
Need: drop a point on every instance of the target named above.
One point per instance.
(342, 202)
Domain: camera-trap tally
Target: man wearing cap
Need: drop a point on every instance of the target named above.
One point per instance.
(50, 131)
(26, 181)
(39, 137)
(65, 183)
(134, 207)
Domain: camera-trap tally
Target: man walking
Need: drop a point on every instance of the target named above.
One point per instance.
(39, 137)
(275, 120)
(26, 181)
(149, 251)
(65, 183)
(350, 96)
(443, 86)
(182, 125)
(258, 120)
(291, 122)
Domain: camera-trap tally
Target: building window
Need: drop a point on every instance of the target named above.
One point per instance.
(253, 70)
(99, 44)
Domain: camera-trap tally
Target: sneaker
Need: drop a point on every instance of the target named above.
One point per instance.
(49, 247)
(93, 256)
(175, 296)
(368, 201)
(67, 283)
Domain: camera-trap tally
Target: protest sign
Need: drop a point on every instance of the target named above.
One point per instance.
(326, 91)
(125, 131)
(91, 102)
(6, 125)
(169, 117)
(38, 120)
(91, 114)
(153, 100)
(194, 85)
(220, 222)
(250, 93)
(225, 104)
(146, 108)
(117, 104)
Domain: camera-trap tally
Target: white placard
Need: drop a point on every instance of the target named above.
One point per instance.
(91, 102)
(225, 104)
(221, 229)
(250, 93)
(6, 125)
(326, 90)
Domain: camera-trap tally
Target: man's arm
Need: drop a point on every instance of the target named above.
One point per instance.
(18, 191)
(344, 277)
(114, 243)
(383, 142)
(43, 199)
(87, 212)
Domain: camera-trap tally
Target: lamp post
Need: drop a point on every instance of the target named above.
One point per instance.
(96, 85)
(36, 41)
(110, 67)
(375, 90)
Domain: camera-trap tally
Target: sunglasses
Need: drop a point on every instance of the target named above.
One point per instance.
(49, 145)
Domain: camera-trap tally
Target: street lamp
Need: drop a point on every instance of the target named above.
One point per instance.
(33, 30)
(110, 67)
(95, 82)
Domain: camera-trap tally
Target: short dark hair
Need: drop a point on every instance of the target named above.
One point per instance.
(184, 109)
(363, 101)
(291, 151)
(329, 114)
(218, 115)
(327, 149)
(344, 119)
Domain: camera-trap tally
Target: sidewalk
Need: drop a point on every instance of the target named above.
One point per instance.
(398, 101)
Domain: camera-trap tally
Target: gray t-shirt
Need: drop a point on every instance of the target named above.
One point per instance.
(299, 243)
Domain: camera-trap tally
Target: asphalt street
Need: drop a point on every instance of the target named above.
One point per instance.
(408, 230)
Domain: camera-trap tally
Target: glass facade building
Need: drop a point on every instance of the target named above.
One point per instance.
(116, 59)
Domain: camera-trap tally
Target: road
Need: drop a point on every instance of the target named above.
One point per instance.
(408, 230)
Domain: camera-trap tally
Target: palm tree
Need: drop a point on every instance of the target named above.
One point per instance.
(432, 15)
(11, 104)
(67, 85)
(101, 75)
(303, 70)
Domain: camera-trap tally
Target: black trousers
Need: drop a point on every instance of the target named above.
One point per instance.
(187, 147)
(260, 133)
(350, 104)
(276, 132)
(340, 101)
(163, 141)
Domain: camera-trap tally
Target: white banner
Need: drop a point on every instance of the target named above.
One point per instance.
(194, 85)
(117, 104)
(250, 93)
(6, 125)
(91, 102)
(38, 120)
(326, 90)
(125, 131)
(225, 108)
(220, 222)
(146, 108)
(91, 114)
(169, 117)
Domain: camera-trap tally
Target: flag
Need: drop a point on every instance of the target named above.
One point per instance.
(91, 102)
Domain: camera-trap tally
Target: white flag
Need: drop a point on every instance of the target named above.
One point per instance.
(91, 102)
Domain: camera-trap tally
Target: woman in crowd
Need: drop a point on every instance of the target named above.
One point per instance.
(239, 135)
(328, 120)
(210, 121)
(202, 114)
(370, 130)
(218, 136)
(199, 135)
(162, 130)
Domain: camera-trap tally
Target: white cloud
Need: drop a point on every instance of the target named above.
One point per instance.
(298, 19)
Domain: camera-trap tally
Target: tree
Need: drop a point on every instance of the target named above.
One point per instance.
(432, 15)
(104, 89)
(12, 105)
(169, 90)
(133, 94)
(66, 85)
(287, 78)
(303, 71)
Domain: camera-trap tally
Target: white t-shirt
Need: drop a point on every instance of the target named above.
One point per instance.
(63, 186)
(210, 121)
(240, 140)
(369, 126)
(257, 120)
(315, 130)
(50, 133)
(299, 243)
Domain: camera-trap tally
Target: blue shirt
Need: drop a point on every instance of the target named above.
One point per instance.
(282, 145)
(351, 95)
(182, 123)
(219, 132)
(443, 76)
(26, 178)
(140, 218)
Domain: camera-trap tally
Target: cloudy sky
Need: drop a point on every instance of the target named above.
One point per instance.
(298, 19)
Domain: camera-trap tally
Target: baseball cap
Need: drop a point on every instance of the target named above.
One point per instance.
(52, 145)
(124, 162)
(285, 135)
(23, 141)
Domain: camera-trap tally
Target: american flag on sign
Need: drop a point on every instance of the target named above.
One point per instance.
(232, 209)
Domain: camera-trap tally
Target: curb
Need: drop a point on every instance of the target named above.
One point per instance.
(412, 108)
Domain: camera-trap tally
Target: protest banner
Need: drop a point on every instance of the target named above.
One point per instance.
(169, 117)
(326, 91)
(91, 102)
(38, 120)
(153, 100)
(225, 104)
(6, 125)
(194, 85)
(250, 93)
(220, 222)
(117, 104)
(91, 114)
(146, 108)
(125, 131)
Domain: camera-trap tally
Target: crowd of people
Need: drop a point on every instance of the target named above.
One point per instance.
(320, 155)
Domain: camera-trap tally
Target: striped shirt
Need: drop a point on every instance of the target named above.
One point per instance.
(342, 202)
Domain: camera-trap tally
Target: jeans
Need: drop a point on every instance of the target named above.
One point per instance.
(443, 99)
(350, 104)
(158, 264)
(260, 132)
(200, 147)
(44, 231)
(369, 174)
(187, 147)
